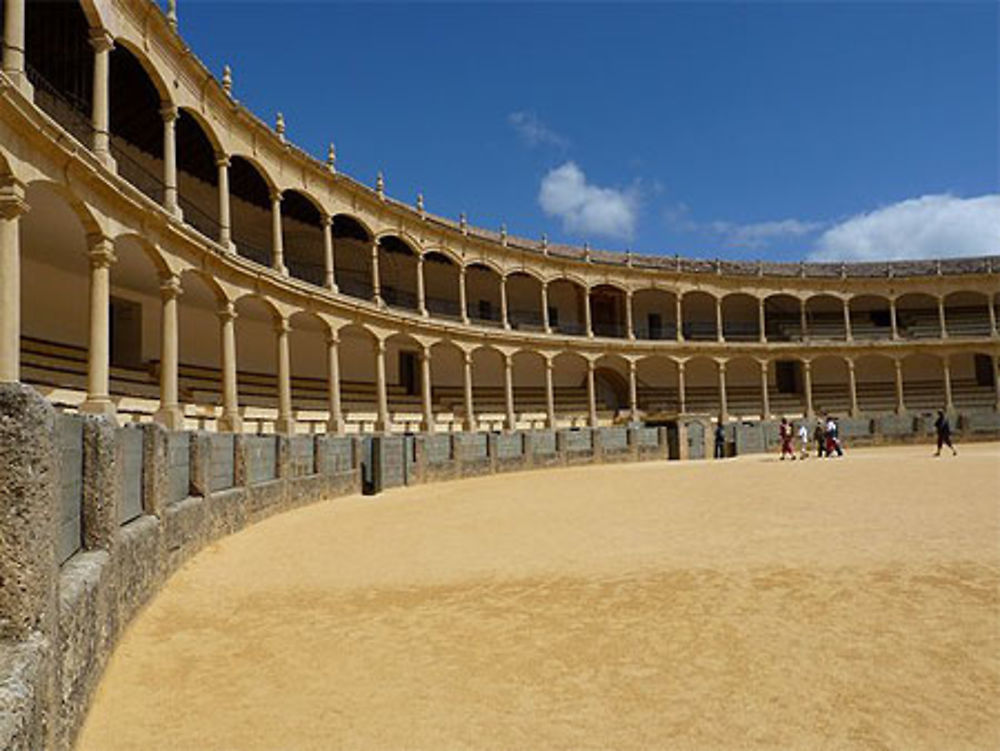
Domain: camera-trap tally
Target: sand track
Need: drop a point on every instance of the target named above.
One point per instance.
(749, 604)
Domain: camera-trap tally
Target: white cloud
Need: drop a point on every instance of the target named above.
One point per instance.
(934, 226)
(585, 208)
(534, 132)
(733, 235)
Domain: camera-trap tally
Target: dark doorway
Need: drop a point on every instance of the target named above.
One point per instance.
(786, 376)
(409, 375)
(126, 333)
(984, 370)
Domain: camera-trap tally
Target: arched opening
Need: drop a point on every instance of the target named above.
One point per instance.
(875, 379)
(352, 257)
(482, 289)
(397, 272)
(740, 318)
(967, 314)
(569, 382)
(257, 363)
(441, 285)
(59, 63)
(566, 300)
(358, 400)
(310, 371)
(973, 380)
(786, 387)
(654, 314)
(250, 211)
(782, 318)
(917, 316)
(448, 383)
(524, 301)
(199, 351)
(528, 372)
(701, 386)
(656, 386)
(489, 395)
(825, 318)
(197, 176)
(830, 389)
(743, 388)
(404, 381)
(870, 317)
(923, 382)
(699, 316)
(607, 310)
(302, 238)
(611, 388)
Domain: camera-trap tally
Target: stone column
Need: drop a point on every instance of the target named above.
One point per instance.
(13, 45)
(426, 389)
(12, 206)
(225, 218)
(681, 401)
(852, 388)
(545, 308)
(723, 402)
(286, 421)
(633, 391)
(329, 268)
(170, 414)
(504, 318)
(892, 318)
(946, 370)
(421, 295)
(230, 420)
(376, 276)
(942, 318)
(629, 322)
(679, 317)
(382, 395)
(169, 114)
(996, 380)
(761, 321)
(277, 236)
(336, 420)
(719, 332)
(98, 399)
(848, 333)
(508, 385)
(470, 417)
(462, 297)
(808, 387)
(591, 395)
(587, 325)
(550, 395)
(765, 400)
(900, 405)
(803, 320)
(103, 43)
(993, 315)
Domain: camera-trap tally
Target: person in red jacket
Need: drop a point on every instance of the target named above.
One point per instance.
(785, 433)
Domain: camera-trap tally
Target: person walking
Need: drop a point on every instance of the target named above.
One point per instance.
(785, 434)
(832, 437)
(943, 428)
(720, 439)
(819, 436)
(803, 440)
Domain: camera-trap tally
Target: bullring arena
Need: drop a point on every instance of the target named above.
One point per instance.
(201, 325)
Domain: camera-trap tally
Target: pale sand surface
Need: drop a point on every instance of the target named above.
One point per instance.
(745, 604)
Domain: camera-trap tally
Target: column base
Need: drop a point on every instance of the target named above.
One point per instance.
(335, 426)
(21, 83)
(107, 160)
(229, 424)
(99, 405)
(285, 425)
(228, 246)
(172, 418)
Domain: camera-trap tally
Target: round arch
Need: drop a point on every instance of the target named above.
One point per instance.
(744, 397)
(352, 256)
(701, 386)
(607, 310)
(250, 191)
(825, 317)
(917, 316)
(524, 301)
(740, 317)
(830, 384)
(398, 268)
(923, 382)
(875, 379)
(782, 318)
(302, 236)
(698, 313)
(967, 313)
(566, 298)
(482, 292)
(657, 382)
(654, 313)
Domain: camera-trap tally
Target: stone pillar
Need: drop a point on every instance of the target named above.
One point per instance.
(679, 317)
(765, 400)
(848, 333)
(996, 379)
(462, 297)
(13, 45)
(591, 395)
(170, 413)
(633, 391)
(99, 355)
(761, 321)
(169, 114)
(943, 319)
(892, 318)
(470, 417)
(504, 318)
(545, 308)
(719, 332)
(629, 322)
(286, 420)
(587, 326)
(103, 43)
(681, 402)
(550, 395)
(852, 388)
(380, 388)
(12, 206)
(421, 294)
(900, 405)
(426, 389)
(329, 268)
(993, 315)
(807, 379)
(100, 484)
(803, 320)
(225, 218)
(277, 236)
(723, 403)
(229, 421)
(946, 370)
(335, 423)
(508, 385)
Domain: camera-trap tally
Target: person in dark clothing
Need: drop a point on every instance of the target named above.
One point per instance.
(720, 440)
(819, 435)
(943, 433)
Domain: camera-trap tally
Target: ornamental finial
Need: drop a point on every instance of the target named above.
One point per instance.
(380, 185)
(172, 14)
(227, 80)
(331, 158)
(420, 203)
(463, 223)
(279, 126)
(503, 234)
(586, 252)
(628, 256)
(545, 244)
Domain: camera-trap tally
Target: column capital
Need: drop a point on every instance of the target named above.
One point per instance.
(722, 366)
(850, 363)
(764, 365)
(332, 338)
(281, 326)
(101, 40)
(223, 160)
(425, 352)
(468, 357)
(633, 366)
(101, 253)
(12, 203)
(169, 112)
(380, 346)
(806, 365)
(276, 196)
(227, 313)
(326, 220)
(170, 287)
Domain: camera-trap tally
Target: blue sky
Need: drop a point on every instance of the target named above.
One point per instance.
(774, 130)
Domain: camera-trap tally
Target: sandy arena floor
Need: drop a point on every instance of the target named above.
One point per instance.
(746, 604)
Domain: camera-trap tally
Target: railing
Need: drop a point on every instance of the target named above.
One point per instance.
(440, 306)
(526, 320)
(398, 298)
(605, 328)
(656, 333)
(71, 113)
(573, 329)
(697, 331)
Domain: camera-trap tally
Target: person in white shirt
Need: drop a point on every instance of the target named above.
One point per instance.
(803, 440)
